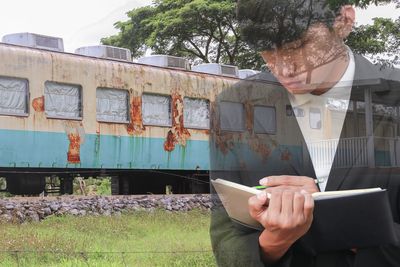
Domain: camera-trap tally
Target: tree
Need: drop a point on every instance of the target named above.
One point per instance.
(201, 30)
(379, 41)
(207, 31)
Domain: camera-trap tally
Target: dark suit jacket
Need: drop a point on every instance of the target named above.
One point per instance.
(245, 157)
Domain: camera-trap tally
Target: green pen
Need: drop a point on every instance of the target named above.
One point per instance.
(260, 187)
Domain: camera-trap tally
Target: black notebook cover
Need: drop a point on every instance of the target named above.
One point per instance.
(347, 222)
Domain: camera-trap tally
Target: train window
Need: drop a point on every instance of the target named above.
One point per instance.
(14, 95)
(63, 101)
(232, 116)
(156, 110)
(112, 105)
(315, 118)
(294, 111)
(264, 120)
(196, 113)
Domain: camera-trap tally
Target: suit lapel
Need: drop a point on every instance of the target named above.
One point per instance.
(336, 178)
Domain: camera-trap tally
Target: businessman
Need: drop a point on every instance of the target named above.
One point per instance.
(267, 130)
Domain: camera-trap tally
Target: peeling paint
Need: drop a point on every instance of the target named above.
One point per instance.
(181, 133)
(38, 104)
(74, 148)
(136, 127)
(169, 144)
(76, 136)
(178, 134)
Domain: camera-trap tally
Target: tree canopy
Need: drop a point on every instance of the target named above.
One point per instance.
(207, 31)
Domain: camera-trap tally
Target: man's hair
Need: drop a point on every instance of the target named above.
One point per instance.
(266, 24)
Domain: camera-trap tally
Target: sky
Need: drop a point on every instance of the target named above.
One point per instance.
(85, 22)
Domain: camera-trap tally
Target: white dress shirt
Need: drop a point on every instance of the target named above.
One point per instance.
(321, 119)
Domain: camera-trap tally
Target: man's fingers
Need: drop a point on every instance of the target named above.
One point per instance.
(287, 180)
(298, 204)
(308, 205)
(287, 203)
(257, 204)
(275, 203)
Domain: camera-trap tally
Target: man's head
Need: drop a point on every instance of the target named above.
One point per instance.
(301, 41)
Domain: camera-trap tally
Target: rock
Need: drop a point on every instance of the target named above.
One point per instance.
(54, 207)
(10, 207)
(35, 210)
(47, 211)
(74, 212)
(20, 216)
(33, 216)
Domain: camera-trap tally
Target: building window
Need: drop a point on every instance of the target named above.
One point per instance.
(14, 96)
(112, 105)
(196, 113)
(63, 101)
(156, 110)
(294, 111)
(315, 118)
(264, 120)
(232, 116)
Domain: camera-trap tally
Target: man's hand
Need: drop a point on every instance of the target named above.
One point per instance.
(286, 215)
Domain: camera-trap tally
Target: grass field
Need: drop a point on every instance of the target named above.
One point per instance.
(146, 239)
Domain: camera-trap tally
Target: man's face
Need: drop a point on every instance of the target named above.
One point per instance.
(310, 63)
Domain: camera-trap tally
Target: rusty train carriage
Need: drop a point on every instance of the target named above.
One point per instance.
(141, 156)
(34, 145)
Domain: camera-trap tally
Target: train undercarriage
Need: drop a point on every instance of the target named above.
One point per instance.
(123, 182)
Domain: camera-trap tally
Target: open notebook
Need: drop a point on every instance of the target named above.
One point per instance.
(342, 219)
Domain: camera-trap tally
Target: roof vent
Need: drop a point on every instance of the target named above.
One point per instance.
(219, 69)
(165, 61)
(105, 51)
(243, 74)
(35, 40)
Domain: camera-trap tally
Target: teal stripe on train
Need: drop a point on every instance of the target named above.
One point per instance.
(46, 149)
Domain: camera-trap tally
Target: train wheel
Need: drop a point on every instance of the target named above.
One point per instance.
(26, 184)
(66, 185)
(115, 187)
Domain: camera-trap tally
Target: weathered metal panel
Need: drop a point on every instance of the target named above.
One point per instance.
(59, 142)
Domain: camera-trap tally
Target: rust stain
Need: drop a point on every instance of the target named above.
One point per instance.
(76, 136)
(249, 116)
(178, 134)
(74, 148)
(181, 133)
(38, 104)
(169, 144)
(261, 148)
(224, 141)
(136, 127)
(286, 155)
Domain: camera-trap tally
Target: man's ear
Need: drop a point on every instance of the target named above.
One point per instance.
(345, 21)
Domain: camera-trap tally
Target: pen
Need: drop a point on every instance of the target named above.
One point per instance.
(260, 187)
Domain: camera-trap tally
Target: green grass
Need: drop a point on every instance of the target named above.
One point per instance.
(158, 238)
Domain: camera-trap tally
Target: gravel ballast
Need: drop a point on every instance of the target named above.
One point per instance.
(21, 210)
